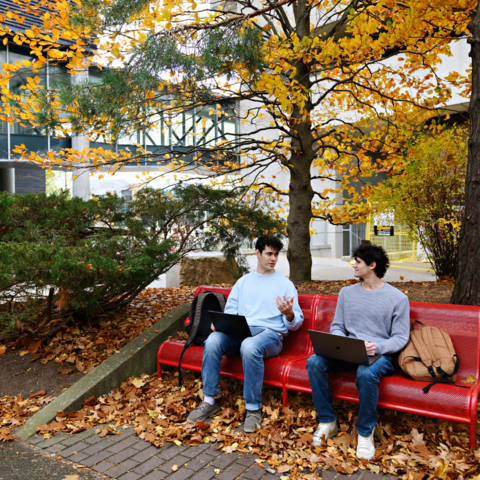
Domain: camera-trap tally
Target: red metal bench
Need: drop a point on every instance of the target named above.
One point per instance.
(294, 347)
(397, 392)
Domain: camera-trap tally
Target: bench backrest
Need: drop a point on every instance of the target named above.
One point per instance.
(460, 322)
(297, 342)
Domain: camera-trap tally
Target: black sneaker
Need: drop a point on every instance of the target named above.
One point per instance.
(202, 412)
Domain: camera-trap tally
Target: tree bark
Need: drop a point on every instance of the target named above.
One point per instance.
(298, 223)
(300, 191)
(467, 284)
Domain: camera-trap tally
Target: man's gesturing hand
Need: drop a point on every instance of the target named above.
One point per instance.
(286, 307)
(370, 348)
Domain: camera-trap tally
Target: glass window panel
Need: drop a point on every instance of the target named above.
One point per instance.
(33, 143)
(3, 124)
(58, 75)
(3, 146)
(153, 135)
(227, 127)
(105, 146)
(189, 137)
(128, 139)
(17, 54)
(178, 130)
(205, 127)
(165, 130)
(57, 143)
(95, 75)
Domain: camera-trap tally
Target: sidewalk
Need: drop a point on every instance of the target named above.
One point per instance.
(127, 457)
(336, 269)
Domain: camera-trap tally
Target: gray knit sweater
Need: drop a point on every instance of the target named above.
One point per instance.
(379, 316)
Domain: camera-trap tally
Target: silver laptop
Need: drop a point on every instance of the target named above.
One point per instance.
(341, 348)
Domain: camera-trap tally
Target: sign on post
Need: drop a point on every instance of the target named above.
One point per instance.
(383, 224)
(384, 231)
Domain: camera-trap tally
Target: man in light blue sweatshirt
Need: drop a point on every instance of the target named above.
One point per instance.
(378, 314)
(269, 302)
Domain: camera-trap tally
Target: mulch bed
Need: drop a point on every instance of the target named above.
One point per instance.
(430, 292)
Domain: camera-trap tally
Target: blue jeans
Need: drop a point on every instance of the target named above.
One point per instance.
(253, 351)
(367, 385)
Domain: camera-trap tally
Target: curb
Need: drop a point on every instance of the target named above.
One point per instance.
(137, 357)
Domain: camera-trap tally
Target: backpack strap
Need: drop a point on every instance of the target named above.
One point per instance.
(430, 356)
(426, 356)
(445, 375)
(436, 362)
(195, 316)
(221, 299)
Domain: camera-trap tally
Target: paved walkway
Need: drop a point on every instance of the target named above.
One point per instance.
(127, 457)
(336, 269)
(21, 461)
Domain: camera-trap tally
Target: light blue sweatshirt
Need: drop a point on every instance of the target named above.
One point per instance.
(254, 296)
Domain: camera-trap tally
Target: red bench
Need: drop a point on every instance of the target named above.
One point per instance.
(397, 392)
(294, 347)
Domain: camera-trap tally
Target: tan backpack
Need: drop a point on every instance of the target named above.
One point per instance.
(429, 355)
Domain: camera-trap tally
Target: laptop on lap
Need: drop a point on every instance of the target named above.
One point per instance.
(230, 324)
(341, 348)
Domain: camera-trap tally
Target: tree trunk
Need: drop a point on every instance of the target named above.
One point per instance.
(467, 284)
(298, 222)
(301, 192)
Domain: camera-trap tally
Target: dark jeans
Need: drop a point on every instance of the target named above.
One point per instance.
(367, 385)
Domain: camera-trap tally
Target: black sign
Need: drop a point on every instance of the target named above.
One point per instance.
(383, 231)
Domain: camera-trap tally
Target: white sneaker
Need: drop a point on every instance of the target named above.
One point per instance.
(324, 431)
(365, 447)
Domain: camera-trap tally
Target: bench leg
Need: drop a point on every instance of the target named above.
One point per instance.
(285, 396)
(473, 417)
(473, 433)
(159, 371)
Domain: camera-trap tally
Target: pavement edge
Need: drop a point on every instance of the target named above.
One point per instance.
(137, 357)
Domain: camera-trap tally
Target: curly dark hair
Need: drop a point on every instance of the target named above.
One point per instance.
(373, 253)
(268, 241)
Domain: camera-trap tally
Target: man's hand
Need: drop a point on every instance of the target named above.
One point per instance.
(212, 327)
(286, 307)
(370, 348)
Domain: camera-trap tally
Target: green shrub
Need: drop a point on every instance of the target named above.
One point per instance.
(64, 260)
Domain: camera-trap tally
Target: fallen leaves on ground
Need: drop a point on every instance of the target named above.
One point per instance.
(85, 348)
(15, 411)
(157, 408)
(430, 292)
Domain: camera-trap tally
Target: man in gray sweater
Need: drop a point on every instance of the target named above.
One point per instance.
(378, 314)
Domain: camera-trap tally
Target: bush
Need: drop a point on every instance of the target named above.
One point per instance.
(427, 191)
(64, 260)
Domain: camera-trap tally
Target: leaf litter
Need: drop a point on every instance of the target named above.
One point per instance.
(411, 446)
(407, 445)
(83, 349)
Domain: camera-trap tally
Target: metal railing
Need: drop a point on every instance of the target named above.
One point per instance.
(401, 246)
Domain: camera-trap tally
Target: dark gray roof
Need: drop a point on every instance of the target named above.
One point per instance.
(30, 18)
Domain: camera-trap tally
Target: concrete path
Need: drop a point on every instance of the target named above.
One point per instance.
(127, 457)
(20, 461)
(336, 269)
